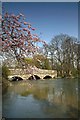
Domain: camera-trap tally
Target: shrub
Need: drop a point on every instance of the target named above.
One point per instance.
(5, 72)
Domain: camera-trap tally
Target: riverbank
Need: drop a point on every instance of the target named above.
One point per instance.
(5, 84)
(70, 77)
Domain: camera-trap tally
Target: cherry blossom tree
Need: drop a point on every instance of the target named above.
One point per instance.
(16, 38)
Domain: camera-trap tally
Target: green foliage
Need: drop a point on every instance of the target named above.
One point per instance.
(38, 60)
(5, 84)
(63, 51)
(5, 72)
(42, 62)
(29, 61)
(47, 64)
(74, 72)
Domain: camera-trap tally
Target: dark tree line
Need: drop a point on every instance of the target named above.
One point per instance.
(64, 55)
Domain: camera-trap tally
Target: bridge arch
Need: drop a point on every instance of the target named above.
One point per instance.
(47, 77)
(34, 77)
(16, 78)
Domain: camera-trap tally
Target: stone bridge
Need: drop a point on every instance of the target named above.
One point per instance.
(37, 73)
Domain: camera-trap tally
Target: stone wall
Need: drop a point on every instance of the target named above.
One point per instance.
(39, 72)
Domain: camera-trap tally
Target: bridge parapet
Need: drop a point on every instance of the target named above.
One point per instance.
(39, 72)
(24, 71)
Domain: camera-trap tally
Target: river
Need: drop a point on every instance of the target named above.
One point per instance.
(54, 98)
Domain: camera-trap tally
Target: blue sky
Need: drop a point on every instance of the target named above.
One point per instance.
(49, 19)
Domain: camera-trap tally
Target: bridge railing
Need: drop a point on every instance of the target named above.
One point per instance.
(38, 71)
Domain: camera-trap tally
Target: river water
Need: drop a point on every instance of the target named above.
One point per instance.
(55, 98)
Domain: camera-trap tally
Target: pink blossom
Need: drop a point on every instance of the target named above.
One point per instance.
(25, 23)
(16, 36)
(0, 39)
(25, 29)
(29, 32)
(13, 26)
(16, 40)
(33, 28)
(13, 15)
(35, 39)
(6, 40)
(18, 16)
(17, 22)
(29, 26)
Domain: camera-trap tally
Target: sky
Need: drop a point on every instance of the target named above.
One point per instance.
(49, 18)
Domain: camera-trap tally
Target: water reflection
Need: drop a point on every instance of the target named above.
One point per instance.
(57, 98)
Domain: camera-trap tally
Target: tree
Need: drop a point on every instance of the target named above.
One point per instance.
(5, 71)
(55, 53)
(77, 57)
(40, 61)
(68, 47)
(63, 51)
(16, 37)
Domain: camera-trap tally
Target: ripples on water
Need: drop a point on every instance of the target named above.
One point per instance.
(56, 98)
